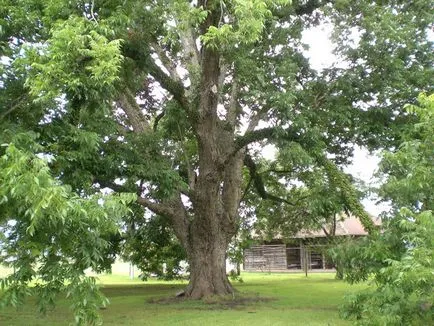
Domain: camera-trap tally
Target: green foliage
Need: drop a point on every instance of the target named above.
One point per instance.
(310, 196)
(153, 248)
(349, 194)
(67, 66)
(249, 22)
(86, 308)
(410, 169)
(78, 61)
(400, 260)
(51, 235)
(233, 275)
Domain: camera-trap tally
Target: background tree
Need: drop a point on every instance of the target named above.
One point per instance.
(399, 260)
(167, 99)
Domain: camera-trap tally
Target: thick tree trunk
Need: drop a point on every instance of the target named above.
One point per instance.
(216, 194)
(207, 259)
(212, 228)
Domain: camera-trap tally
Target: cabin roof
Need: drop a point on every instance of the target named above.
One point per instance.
(345, 226)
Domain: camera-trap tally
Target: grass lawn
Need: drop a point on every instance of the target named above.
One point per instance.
(296, 300)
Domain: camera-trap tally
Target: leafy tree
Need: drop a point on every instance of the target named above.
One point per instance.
(167, 99)
(51, 235)
(401, 259)
(400, 263)
(409, 170)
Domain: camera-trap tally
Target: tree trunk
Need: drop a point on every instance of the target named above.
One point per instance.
(214, 224)
(207, 258)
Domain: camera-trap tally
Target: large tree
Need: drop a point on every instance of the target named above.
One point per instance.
(170, 99)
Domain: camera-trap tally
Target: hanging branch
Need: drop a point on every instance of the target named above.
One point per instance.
(341, 181)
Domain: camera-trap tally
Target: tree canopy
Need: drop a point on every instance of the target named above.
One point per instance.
(172, 100)
(400, 260)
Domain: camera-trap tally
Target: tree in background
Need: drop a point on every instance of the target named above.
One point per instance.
(171, 101)
(400, 259)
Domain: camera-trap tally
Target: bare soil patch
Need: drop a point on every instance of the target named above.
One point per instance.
(213, 303)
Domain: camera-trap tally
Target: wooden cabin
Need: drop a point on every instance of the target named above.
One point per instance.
(305, 251)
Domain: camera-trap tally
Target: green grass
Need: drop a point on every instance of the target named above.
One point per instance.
(296, 300)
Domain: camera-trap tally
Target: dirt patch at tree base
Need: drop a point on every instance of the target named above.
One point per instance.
(236, 301)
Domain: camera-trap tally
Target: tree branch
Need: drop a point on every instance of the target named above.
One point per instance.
(172, 86)
(173, 209)
(191, 175)
(128, 103)
(261, 134)
(246, 189)
(166, 61)
(157, 119)
(325, 231)
(253, 136)
(189, 46)
(259, 184)
(278, 171)
(300, 9)
(341, 181)
(254, 121)
(308, 7)
(155, 207)
(12, 108)
(231, 115)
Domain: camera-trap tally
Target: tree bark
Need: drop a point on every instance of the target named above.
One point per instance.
(215, 201)
(207, 258)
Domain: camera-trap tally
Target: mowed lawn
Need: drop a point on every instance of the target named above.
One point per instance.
(288, 299)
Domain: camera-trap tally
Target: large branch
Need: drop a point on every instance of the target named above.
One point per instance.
(174, 209)
(300, 8)
(188, 40)
(141, 54)
(133, 112)
(157, 208)
(259, 183)
(191, 175)
(166, 61)
(265, 133)
(174, 87)
(254, 120)
(231, 115)
(253, 136)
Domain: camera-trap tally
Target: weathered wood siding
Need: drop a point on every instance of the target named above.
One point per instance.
(265, 257)
(278, 257)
